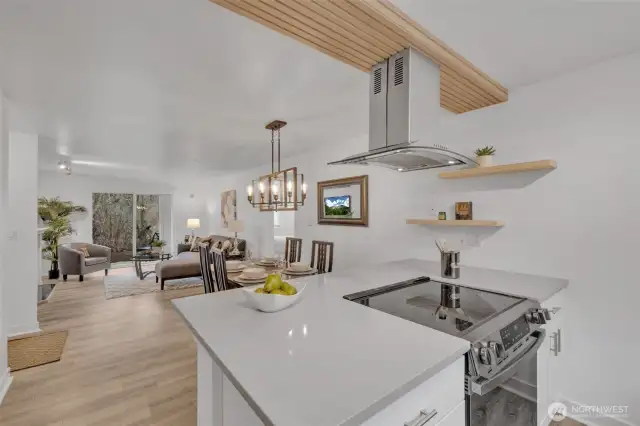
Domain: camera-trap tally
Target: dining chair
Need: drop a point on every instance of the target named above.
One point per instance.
(220, 269)
(293, 249)
(325, 256)
(205, 267)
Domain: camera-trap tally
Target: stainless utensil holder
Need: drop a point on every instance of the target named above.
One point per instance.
(449, 264)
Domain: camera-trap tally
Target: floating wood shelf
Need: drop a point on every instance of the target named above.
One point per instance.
(363, 33)
(470, 223)
(531, 166)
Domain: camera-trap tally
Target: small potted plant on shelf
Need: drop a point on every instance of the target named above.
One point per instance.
(156, 246)
(484, 156)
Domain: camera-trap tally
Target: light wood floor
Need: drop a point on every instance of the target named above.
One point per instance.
(127, 361)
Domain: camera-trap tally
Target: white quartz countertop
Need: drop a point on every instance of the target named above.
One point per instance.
(327, 361)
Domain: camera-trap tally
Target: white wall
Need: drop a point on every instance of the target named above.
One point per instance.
(259, 229)
(22, 254)
(286, 223)
(5, 377)
(79, 189)
(576, 222)
(191, 201)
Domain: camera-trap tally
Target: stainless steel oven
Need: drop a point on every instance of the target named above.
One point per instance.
(504, 334)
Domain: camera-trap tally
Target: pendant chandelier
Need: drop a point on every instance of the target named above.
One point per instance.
(282, 189)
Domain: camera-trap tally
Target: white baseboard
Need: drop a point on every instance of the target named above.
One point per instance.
(17, 330)
(592, 420)
(5, 382)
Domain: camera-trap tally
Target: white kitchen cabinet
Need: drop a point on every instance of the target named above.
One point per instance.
(455, 418)
(440, 397)
(235, 409)
(433, 399)
(550, 358)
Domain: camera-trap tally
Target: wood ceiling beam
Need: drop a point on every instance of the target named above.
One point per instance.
(436, 40)
(362, 33)
(246, 10)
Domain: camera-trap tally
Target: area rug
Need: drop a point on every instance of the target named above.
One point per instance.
(123, 264)
(130, 285)
(39, 349)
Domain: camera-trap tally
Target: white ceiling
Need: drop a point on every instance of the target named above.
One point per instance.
(166, 86)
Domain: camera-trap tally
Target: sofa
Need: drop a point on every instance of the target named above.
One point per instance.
(187, 263)
(72, 260)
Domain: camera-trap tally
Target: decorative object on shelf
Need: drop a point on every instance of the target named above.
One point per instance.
(187, 238)
(344, 201)
(484, 156)
(227, 207)
(281, 189)
(442, 216)
(193, 224)
(156, 246)
(235, 227)
(56, 216)
(530, 166)
(464, 210)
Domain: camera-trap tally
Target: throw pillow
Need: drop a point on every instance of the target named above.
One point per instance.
(194, 244)
(85, 251)
(226, 246)
(216, 245)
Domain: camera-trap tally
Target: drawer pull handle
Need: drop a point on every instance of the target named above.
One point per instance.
(556, 346)
(422, 418)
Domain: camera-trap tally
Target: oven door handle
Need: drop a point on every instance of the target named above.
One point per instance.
(487, 386)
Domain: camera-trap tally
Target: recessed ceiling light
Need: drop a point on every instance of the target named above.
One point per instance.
(452, 162)
(401, 169)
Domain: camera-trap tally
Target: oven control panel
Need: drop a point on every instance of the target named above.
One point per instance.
(514, 332)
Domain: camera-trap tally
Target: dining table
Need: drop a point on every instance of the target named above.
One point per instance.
(269, 269)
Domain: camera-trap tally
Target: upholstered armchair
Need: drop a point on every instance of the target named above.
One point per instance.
(72, 260)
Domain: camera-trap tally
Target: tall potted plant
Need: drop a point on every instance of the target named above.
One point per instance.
(55, 213)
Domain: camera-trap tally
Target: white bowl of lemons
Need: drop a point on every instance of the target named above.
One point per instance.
(275, 295)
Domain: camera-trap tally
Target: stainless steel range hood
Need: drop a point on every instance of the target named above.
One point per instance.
(404, 110)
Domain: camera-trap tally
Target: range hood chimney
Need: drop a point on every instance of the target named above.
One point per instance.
(404, 110)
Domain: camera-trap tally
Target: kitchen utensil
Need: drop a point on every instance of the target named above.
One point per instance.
(310, 271)
(449, 264)
(299, 267)
(254, 273)
(243, 280)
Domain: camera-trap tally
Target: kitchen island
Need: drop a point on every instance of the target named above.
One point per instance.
(329, 361)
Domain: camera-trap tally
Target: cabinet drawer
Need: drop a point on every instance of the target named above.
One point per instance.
(442, 393)
(456, 417)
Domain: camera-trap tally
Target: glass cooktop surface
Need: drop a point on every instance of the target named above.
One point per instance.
(448, 308)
